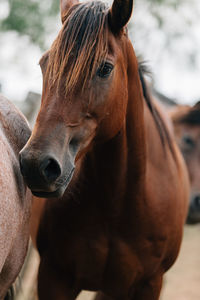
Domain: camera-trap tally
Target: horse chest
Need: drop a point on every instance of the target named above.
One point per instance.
(112, 265)
(96, 255)
(103, 263)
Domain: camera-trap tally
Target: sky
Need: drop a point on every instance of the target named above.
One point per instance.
(168, 52)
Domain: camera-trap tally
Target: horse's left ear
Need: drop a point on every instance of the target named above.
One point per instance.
(197, 105)
(119, 14)
(65, 6)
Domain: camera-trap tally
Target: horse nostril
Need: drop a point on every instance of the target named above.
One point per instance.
(50, 169)
(197, 201)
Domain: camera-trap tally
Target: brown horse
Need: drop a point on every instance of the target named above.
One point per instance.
(101, 151)
(186, 120)
(15, 198)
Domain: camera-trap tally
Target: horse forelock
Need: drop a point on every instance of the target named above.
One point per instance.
(80, 47)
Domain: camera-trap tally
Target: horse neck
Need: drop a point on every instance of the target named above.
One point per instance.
(135, 125)
(117, 167)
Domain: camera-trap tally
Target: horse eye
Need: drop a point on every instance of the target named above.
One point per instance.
(188, 141)
(105, 70)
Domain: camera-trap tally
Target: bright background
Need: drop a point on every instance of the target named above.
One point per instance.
(164, 32)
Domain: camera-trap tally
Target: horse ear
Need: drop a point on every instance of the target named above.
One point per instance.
(65, 6)
(197, 105)
(119, 14)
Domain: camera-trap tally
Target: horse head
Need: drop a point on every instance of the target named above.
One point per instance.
(85, 92)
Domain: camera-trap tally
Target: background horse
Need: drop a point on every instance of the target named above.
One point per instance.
(186, 121)
(101, 151)
(15, 198)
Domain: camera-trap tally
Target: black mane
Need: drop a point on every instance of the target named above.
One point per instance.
(162, 129)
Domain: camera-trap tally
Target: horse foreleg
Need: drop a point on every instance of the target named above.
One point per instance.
(149, 290)
(52, 285)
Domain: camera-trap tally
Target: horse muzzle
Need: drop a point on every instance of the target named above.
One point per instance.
(43, 173)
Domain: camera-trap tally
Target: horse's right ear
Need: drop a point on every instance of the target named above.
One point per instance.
(119, 14)
(65, 6)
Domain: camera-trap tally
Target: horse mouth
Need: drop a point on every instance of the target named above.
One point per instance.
(58, 193)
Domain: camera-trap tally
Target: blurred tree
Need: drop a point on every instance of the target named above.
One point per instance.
(173, 23)
(164, 32)
(29, 17)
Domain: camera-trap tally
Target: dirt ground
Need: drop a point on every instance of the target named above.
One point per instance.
(182, 282)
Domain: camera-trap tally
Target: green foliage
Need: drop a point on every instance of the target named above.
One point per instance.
(30, 17)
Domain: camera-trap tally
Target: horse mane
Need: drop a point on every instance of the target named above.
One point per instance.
(190, 117)
(84, 37)
(162, 129)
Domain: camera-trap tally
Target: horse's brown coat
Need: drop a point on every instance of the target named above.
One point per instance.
(118, 226)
